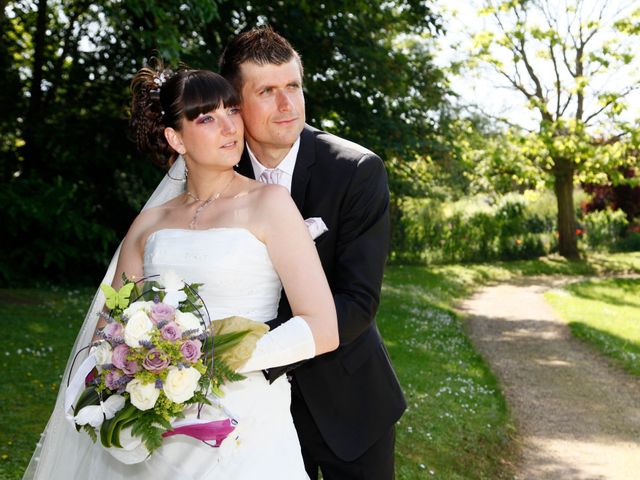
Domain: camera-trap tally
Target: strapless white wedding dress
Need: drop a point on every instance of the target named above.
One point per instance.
(238, 279)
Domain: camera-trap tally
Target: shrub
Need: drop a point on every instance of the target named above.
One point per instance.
(604, 228)
(50, 234)
(629, 243)
(473, 229)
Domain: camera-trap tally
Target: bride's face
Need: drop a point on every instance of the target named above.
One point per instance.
(212, 138)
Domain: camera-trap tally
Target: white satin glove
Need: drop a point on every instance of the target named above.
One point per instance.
(289, 343)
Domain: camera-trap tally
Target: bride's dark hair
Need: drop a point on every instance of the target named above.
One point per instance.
(162, 98)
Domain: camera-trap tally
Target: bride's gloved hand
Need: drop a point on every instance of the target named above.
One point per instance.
(289, 343)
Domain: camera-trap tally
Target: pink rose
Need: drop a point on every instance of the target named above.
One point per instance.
(155, 361)
(161, 312)
(113, 330)
(191, 350)
(119, 359)
(171, 331)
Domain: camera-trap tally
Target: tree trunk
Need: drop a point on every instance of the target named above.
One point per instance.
(3, 18)
(33, 118)
(563, 187)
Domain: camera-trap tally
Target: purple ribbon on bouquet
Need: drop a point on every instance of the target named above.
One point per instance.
(216, 431)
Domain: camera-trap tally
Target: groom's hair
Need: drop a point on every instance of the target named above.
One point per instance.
(260, 45)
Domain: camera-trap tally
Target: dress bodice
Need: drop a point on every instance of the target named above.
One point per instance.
(232, 264)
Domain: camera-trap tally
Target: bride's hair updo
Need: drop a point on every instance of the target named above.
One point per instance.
(163, 98)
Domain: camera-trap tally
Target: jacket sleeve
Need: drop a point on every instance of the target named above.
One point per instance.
(361, 248)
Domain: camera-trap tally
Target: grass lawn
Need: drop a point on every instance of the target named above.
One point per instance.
(39, 329)
(606, 314)
(457, 425)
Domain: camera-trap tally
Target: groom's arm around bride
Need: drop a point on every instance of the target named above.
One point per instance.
(345, 403)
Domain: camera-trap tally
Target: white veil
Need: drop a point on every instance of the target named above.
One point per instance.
(59, 443)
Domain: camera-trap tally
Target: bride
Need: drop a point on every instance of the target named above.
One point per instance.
(244, 241)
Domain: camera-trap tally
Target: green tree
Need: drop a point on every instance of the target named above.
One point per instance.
(67, 66)
(565, 58)
(71, 180)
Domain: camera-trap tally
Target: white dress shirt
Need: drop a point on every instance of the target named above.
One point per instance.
(285, 167)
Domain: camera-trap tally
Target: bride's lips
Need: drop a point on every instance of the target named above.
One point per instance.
(231, 144)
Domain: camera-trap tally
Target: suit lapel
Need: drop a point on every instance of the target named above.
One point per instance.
(244, 166)
(301, 173)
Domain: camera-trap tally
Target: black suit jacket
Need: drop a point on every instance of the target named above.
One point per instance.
(352, 393)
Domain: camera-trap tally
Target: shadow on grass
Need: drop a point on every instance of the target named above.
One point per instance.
(590, 265)
(622, 350)
(615, 291)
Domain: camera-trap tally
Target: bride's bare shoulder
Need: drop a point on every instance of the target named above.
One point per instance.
(257, 193)
(270, 200)
(148, 220)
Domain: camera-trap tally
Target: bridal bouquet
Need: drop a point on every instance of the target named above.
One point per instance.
(153, 360)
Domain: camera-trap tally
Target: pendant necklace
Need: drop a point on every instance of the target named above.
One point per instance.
(206, 203)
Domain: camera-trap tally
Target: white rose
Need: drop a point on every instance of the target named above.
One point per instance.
(102, 353)
(188, 321)
(181, 383)
(143, 395)
(137, 328)
(136, 307)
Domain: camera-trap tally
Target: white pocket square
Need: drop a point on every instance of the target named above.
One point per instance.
(316, 227)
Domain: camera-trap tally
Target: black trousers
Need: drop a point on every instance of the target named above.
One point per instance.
(377, 463)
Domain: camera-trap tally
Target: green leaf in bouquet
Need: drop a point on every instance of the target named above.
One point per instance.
(223, 373)
(115, 425)
(223, 342)
(104, 433)
(90, 430)
(150, 428)
(193, 302)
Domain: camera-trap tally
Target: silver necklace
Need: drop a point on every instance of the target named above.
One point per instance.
(206, 203)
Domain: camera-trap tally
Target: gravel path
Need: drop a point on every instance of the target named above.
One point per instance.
(578, 416)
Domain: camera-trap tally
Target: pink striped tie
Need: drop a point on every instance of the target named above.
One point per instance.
(271, 176)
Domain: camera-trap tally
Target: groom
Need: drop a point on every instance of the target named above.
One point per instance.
(344, 403)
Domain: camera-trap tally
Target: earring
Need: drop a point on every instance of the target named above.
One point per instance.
(184, 177)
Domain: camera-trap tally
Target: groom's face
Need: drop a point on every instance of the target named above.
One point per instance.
(272, 104)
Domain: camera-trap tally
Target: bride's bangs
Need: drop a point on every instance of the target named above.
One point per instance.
(206, 91)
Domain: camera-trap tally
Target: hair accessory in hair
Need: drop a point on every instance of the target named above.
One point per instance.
(159, 81)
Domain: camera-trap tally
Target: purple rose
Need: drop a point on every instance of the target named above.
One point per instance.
(155, 361)
(119, 355)
(112, 379)
(119, 359)
(162, 312)
(171, 331)
(191, 350)
(113, 330)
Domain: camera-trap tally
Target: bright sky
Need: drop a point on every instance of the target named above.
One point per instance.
(489, 90)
